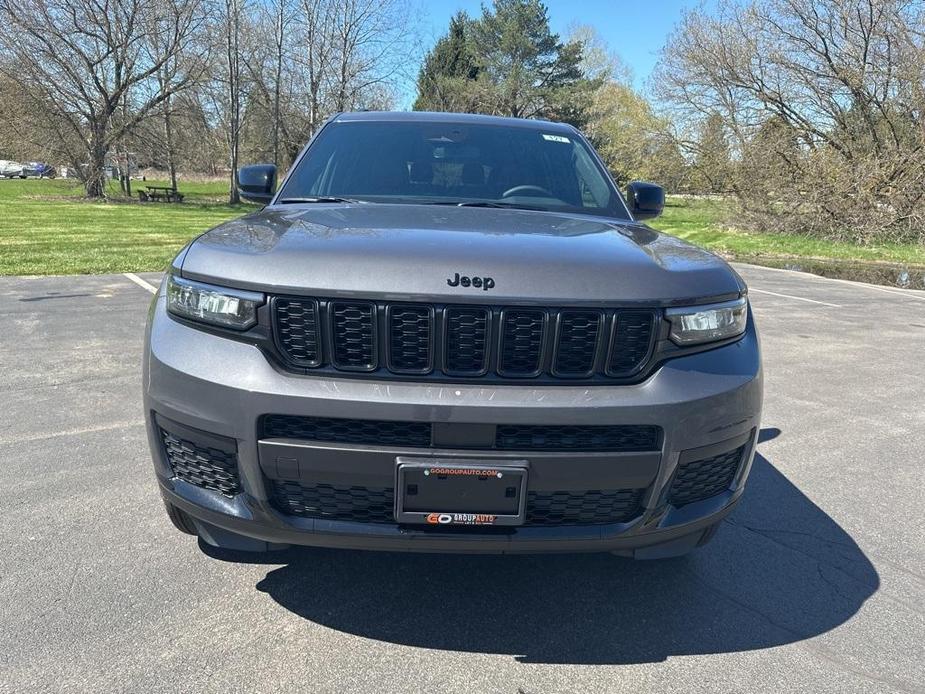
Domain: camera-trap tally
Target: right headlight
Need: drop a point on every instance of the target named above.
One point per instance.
(205, 303)
(696, 325)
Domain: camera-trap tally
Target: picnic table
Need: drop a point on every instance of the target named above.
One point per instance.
(160, 193)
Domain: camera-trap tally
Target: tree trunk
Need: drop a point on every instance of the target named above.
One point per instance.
(280, 36)
(168, 145)
(95, 177)
(234, 96)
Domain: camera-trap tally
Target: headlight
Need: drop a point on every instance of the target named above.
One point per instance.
(698, 324)
(221, 306)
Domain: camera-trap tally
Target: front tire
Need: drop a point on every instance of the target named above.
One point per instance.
(180, 520)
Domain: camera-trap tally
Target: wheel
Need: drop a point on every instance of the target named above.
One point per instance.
(180, 520)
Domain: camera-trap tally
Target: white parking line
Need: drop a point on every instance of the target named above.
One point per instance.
(28, 438)
(795, 298)
(140, 282)
(916, 294)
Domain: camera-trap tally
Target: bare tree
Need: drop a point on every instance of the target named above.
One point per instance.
(86, 61)
(231, 21)
(823, 99)
(371, 41)
(317, 25)
(282, 17)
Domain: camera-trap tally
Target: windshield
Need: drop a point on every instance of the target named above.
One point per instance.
(451, 164)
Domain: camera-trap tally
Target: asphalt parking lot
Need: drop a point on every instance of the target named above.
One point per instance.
(816, 583)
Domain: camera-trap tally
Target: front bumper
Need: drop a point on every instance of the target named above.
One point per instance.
(195, 380)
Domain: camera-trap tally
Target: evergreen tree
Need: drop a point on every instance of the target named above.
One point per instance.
(447, 67)
(506, 62)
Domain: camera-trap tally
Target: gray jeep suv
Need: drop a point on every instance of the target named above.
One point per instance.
(450, 333)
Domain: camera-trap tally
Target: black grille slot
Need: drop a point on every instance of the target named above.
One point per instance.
(297, 330)
(362, 431)
(633, 334)
(204, 466)
(334, 502)
(591, 507)
(578, 437)
(700, 479)
(411, 337)
(354, 335)
(467, 341)
(577, 337)
(522, 333)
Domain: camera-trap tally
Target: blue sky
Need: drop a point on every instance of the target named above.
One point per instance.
(635, 30)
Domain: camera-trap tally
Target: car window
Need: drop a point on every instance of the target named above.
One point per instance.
(451, 163)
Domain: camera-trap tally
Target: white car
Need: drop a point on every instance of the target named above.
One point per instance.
(11, 169)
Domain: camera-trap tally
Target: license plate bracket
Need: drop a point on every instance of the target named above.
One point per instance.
(445, 492)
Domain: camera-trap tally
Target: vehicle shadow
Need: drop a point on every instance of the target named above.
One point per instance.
(779, 571)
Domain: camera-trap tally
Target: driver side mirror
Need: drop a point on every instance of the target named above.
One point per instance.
(645, 200)
(257, 183)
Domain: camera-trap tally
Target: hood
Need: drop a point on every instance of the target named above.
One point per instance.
(432, 252)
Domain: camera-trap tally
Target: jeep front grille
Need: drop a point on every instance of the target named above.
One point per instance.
(460, 342)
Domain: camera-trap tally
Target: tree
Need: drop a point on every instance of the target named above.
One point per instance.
(90, 68)
(371, 40)
(712, 159)
(632, 140)
(231, 26)
(281, 19)
(446, 70)
(838, 83)
(629, 136)
(506, 62)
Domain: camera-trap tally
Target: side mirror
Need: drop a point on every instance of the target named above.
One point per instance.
(645, 200)
(257, 183)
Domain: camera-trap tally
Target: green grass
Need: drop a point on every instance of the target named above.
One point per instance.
(701, 221)
(47, 228)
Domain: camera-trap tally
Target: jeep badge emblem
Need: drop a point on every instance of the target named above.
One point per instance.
(483, 283)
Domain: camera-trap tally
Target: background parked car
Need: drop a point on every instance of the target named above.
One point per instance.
(11, 169)
(38, 169)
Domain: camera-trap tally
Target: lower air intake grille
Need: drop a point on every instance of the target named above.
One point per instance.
(334, 502)
(362, 431)
(375, 504)
(700, 479)
(577, 437)
(514, 437)
(592, 507)
(209, 468)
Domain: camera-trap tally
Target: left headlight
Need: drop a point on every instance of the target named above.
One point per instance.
(696, 325)
(206, 303)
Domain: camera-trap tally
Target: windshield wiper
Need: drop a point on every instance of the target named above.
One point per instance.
(322, 198)
(488, 203)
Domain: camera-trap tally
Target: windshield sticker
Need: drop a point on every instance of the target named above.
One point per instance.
(556, 138)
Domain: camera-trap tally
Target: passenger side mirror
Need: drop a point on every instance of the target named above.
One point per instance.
(645, 200)
(257, 183)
